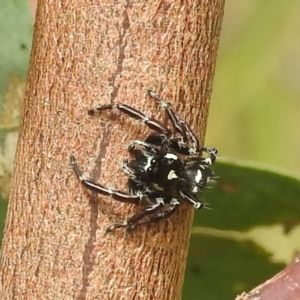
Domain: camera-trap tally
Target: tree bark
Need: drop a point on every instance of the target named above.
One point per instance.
(89, 53)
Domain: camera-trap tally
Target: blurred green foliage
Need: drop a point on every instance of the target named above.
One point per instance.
(255, 101)
(15, 45)
(15, 41)
(227, 255)
(221, 268)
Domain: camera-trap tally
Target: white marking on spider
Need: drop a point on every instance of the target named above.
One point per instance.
(81, 178)
(208, 161)
(172, 175)
(162, 103)
(160, 201)
(150, 161)
(140, 194)
(198, 176)
(171, 156)
(174, 201)
(197, 205)
(195, 189)
(192, 151)
(181, 143)
(137, 143)
(165, 104)
(145, 120)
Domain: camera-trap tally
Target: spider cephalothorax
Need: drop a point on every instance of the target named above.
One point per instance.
(167, 168)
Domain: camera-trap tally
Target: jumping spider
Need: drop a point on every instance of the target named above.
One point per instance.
(168, 167)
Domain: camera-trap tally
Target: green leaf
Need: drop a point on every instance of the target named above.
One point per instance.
(250, 196)
(221, 268)
(250, 233)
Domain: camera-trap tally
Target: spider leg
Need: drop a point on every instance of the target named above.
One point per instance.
(162, 140)
(212, 155)
(147, 145)
(195, 143)
(181, 127)
(135, 185)
(132, 221)
(125, 167)
(176, 144)
(117, 195)
(187, 198)
(173, 206)
(172, 116)
(134, 113)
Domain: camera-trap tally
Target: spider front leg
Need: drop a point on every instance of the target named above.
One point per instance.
(117, 195)
(190, 200)
(180, 126)
(133, 144)
(134, 113)
(171, 114)
(212, 155)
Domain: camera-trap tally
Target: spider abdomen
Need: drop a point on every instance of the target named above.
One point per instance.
(163, 170)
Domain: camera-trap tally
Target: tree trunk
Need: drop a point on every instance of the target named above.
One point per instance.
(88, 53)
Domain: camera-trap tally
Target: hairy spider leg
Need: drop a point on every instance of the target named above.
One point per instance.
(172, 207)
(133, 221)
(190, 200)
(134, 113)
(132, 145)
(166, 143)
(195, 143)
(180, 126)
(212, 155)
(135, 185)
(117, 195)
(172, 116)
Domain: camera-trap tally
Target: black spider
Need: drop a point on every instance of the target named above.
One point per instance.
(159, 172)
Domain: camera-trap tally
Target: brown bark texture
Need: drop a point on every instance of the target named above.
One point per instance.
(89, 53)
